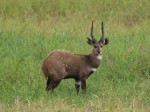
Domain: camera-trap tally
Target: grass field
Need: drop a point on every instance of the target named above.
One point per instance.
(30, 29)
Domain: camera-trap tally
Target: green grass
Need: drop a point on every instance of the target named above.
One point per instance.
(30, 29)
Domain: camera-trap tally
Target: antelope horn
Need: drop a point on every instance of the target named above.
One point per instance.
(92, 34)
(103, 35)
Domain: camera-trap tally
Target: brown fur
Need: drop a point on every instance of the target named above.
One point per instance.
(60, 65)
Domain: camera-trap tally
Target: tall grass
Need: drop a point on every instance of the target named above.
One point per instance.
(30, 29)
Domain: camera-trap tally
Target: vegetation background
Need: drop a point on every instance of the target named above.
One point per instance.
(30, 29)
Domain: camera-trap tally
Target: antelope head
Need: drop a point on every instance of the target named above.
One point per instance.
(97, 45)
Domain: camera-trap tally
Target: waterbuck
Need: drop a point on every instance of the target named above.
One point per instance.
(60, 65)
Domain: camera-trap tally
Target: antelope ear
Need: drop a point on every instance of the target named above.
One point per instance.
(90, 42)
(106, 41)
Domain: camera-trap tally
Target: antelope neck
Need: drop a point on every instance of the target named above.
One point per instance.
(94, 60)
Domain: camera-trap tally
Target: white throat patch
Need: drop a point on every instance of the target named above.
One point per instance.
(99, 57)
(93, 69)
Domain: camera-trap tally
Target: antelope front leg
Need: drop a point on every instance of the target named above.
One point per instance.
(77, 85)
(83, 86)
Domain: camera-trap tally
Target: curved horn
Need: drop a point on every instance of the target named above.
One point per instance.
(103, 35)
(92, 35)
